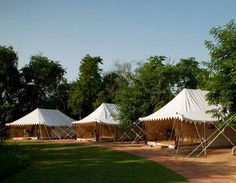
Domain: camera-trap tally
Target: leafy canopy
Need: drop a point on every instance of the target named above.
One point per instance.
(9, 83)
(42, 78)
(87, 87)
(222, 83)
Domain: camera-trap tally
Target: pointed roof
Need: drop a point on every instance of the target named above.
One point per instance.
(105, 113)
(48, 117)
(188, 105)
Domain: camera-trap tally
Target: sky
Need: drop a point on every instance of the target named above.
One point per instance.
(116, 30)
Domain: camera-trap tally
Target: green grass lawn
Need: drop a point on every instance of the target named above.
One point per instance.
(67, 163)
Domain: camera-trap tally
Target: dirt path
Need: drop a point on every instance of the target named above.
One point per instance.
(194, 172)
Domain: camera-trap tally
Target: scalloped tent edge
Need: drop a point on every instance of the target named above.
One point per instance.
(189, 105)
(47, 117)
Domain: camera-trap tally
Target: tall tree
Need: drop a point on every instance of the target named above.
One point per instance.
(222, 83)
(190, 75)
(109, 89)
(87, 87)
(41, 78)
(9, 83)
(146, 90)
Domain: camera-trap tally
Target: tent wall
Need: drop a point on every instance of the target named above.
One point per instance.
(104, 132)
(86, 130)
(28, 131)
(41, 132)
(158, 130)
(161, 131)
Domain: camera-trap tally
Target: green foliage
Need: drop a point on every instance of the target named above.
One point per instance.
(190, 75)
(12, 159)
(109, 89)
(42, 79)
(155, 80)
(222, 83)
(9, 83)
(62, 163)
(144, 91)
(87, 87)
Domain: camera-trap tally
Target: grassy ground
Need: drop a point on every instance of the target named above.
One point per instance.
(12, 158)
(67, 163)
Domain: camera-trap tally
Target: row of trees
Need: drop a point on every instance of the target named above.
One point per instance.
(138, 90)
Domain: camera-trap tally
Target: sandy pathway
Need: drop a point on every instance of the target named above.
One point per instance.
(193, 171)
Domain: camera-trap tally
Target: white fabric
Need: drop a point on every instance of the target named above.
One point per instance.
(105, 113)
(48, 117)
(188, 105)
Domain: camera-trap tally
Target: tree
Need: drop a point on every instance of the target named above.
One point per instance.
(190, 75)
(109, 89)
(41, 78)
(87, 87)
(9, 83)
(222, 83)
(145, 90)
(61, 96)
(156, 78)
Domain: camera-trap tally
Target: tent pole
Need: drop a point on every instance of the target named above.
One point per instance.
(40, 132)
(213, 140)
(199, 136)
(181, 133)
(225, 136)
(57, 134)
(205, 137)
(116, 132)
(47, 132)
(100, 131)
(172, 131)
(111, 133)
(66, 133)
(202, 142)
(144, 133)
(221, 132)
(177, 139)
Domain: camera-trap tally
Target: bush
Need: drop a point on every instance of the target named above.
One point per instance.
(12, 159)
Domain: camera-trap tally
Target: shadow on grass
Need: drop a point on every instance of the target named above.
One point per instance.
(75, 163)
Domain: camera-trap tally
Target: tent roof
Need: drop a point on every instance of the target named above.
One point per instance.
(105, 113)
(48, 117)
(188, 105)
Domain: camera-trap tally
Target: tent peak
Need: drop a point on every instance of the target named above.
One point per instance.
(105, 113)
(188, 105)
(48, 117)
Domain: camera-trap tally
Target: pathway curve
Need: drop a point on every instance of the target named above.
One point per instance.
(194, 173)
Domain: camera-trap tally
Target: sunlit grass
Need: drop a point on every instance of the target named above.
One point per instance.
(61, 163)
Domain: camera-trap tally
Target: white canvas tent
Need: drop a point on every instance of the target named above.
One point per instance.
(46, 124)
(101, 123)
(189, 105)
(105, 113)
(189, 108)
